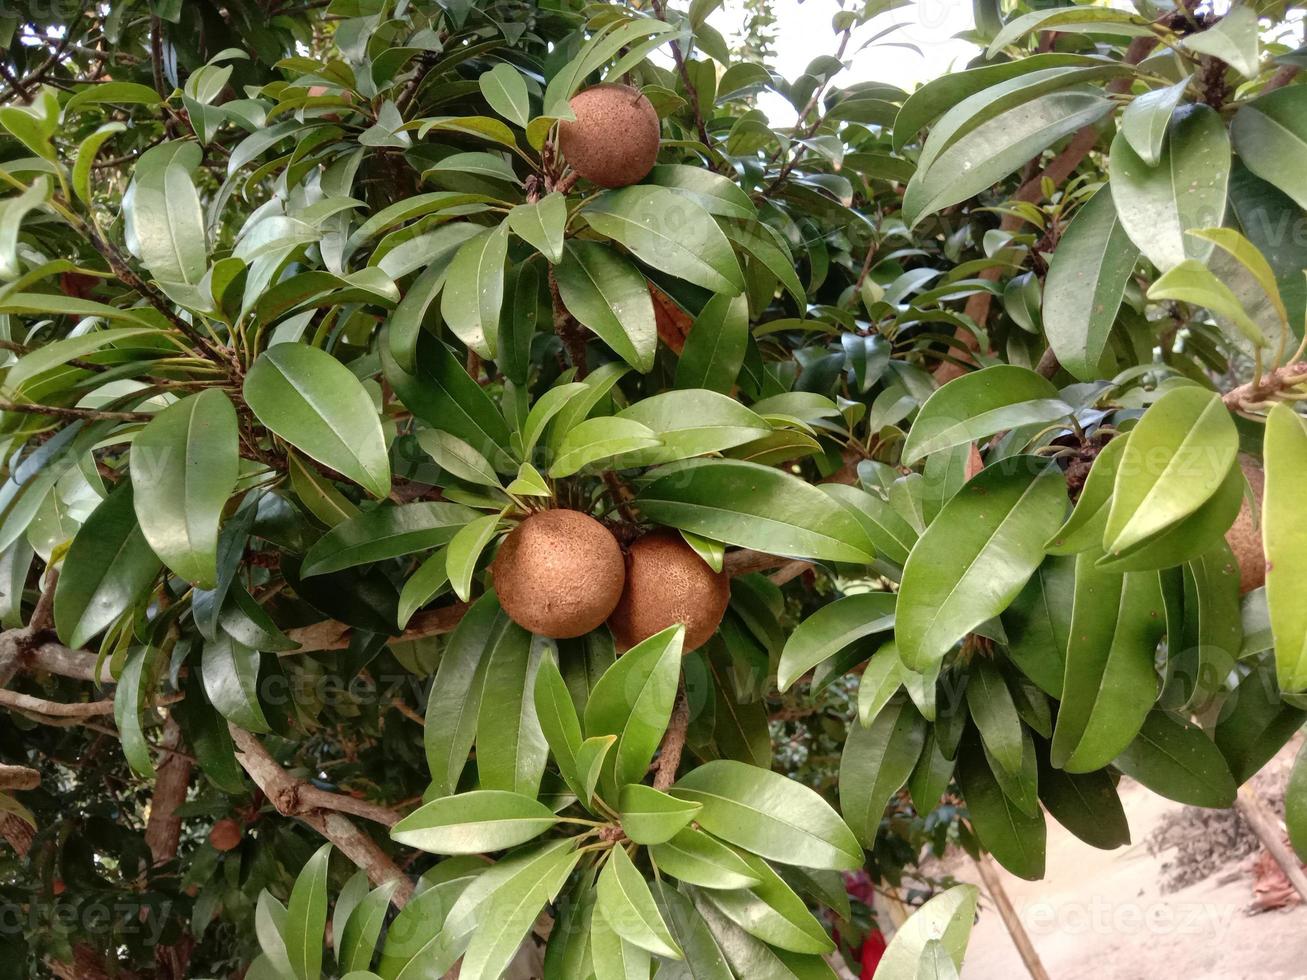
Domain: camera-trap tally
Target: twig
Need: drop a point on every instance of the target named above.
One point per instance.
(669, 758)
(73, 413)
(322, 811)
(63, 709)
(691, 91)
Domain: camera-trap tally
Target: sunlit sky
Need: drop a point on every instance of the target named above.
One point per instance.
(803, 32)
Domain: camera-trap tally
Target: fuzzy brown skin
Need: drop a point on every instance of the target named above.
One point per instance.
(614, 140)
(1245, 535)
(226, 835)
(559, 573)
(666, 583)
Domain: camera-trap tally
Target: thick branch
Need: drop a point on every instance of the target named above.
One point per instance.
(295, 798)
(172, 779)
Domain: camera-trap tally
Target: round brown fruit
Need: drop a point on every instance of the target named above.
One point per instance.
(559, 573)
(614, 140)
(225, 835)
(666, 583)
(1245, 535)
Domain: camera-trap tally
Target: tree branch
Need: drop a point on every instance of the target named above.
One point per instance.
(1255, 394)
(669, 758)
(18, 777)
(294, 797)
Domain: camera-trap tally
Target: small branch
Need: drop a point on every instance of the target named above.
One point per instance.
(18, 777)
(691, 91)
(73, 413)
(1268, 830)
(295, 798)
(669, 758)
(172, 780)
(1273, 383)
(75, 710)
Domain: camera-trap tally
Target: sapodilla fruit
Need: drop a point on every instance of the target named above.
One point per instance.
(613, 141)
(559, 573)
(667, 583)
(1245, 534)
(225, 835)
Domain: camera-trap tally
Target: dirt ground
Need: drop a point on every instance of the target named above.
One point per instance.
(1102, 915)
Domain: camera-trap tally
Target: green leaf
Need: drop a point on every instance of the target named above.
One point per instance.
(633, 700)
(876, 763)
(511, 748)
(52, 355)
(1074, 19)
(184, 467)
(505, 89)
(1156, 205)
(1085, 804)
(692, 422)
(559, 723)
(1251, 258)
(112, 93)
(306, 917)
(1176, 759)
(832, 628)
(109, 567)
(474, 290)
(698, 859)
(129, 697)
(1086, 281)
(606, 293)
(669, 232)
(363, 927)
(751, 957)
(718, 195)
(317, 405)
(596, 440)
(1145, 120)
(1295, 804)
(881, 679)
(164, 219)
(508, 917)
(1192, 282)
(465, 550)
(976, 556)
(612, 957)
(86, 153)
(1110, 684)
(977, 405)
(455, 698)
(627, 905)
(1270, 132)
(457, 458)
(714, 350)
(995, 714)
(754, 506)
(946, 919)
(270, 926)
(703, 959)
(769, 815)
(405, 324)
(1285, 539)
(1233, 39)
(652, 817)
(772, 912)
(231, 680)
(542, 224)
(1016, 839)
(388, 531)
(999, 146)
(1083, 530)
(473, 823)
(1176, 459)
(1254, 725)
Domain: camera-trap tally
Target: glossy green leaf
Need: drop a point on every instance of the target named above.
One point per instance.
(1192, 282)
(947, 919)
(832, 628)
(1145, 121)
(559, 723)
(670, 232)
(714, 350)
(1086, 280)
(184, 467)
(1110, 685)
(1284, 537)
(474, 290)
(698, 859)
(612, 957)
(876, 763)
(1269, 133)
(1233, 39)
(505, 90)
(1156, 205)
(754, 506)
(1073, 19)
(769, 815)
(358, 938)
(881, 679)
(164, 219)
(692, 422)
(1254, 724)
(317, 405)
(627, 905)
(1176, 459)
(650, 816)
(109, 567)
(129, 697)
(455, 699)
(976, 556)
(473, 823)
(1177, 759)
(306, 917)
(542, 224)
(1017, 840)
(596, 440)
(458, 458)
(772, 912)
(633, 700)
(465, 550)
(388, 531)
(1085, 804)
(979, 404)
(1295, 804)
(606, 293)
(995, 714)
(703, 959)
(430, 579)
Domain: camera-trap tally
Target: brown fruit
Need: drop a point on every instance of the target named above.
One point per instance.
(559, 573)
(1245, 535)
(666, 583)
(614, 140)
(225, 835)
